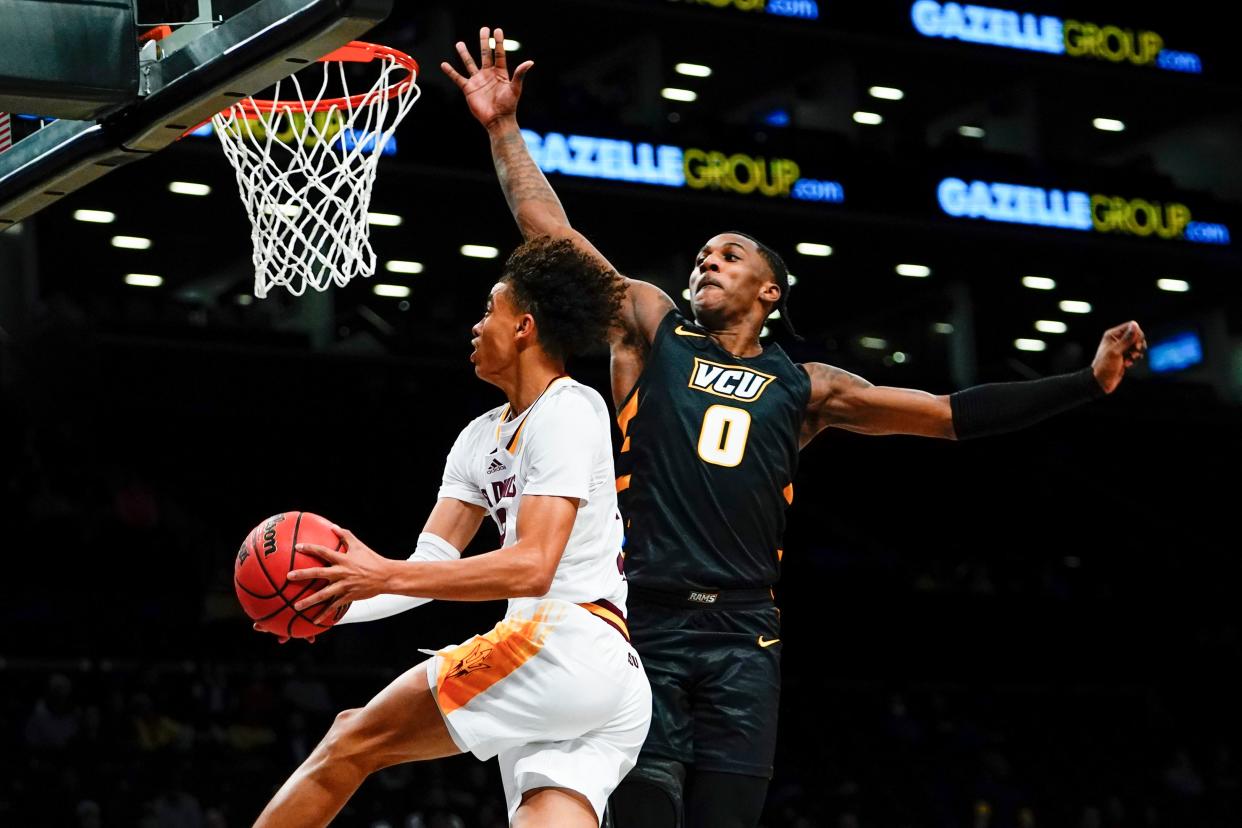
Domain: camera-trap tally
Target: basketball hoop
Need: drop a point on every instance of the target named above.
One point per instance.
(305, 168)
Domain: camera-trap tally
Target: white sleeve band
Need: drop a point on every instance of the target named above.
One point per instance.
(430, 548)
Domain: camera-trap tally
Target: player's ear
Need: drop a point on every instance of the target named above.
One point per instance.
(770, 292)
(525, 327)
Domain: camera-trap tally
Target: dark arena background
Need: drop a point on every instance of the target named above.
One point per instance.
(1037, 630)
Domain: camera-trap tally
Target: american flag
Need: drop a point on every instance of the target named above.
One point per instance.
(6, 131)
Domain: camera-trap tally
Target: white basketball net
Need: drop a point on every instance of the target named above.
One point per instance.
(306, 175)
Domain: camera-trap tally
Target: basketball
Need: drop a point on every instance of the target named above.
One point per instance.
(265, 559)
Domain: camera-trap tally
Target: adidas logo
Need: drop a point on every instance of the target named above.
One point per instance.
(495, 466)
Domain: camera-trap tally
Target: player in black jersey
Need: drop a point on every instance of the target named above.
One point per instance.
(712, 423)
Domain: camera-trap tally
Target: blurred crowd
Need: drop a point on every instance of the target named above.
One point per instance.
(205, 745)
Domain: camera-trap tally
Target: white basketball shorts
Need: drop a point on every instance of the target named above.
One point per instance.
(555, 691)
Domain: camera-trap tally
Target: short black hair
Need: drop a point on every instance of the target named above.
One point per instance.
(780, 274)
(574, 296)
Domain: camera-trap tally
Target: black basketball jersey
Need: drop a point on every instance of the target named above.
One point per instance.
(705, 472)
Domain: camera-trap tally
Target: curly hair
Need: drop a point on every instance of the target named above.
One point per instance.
(573, 296)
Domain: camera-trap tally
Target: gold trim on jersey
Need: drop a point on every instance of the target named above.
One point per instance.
(627, 413)
(500, 421)
(512, 447)
(623, 482)
(788, 492)
(700, 381)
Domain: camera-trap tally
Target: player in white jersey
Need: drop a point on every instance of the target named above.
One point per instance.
(554, 690)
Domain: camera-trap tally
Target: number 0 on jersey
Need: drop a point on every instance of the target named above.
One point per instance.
(722, 439)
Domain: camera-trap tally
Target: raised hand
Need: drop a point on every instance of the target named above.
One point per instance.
(1119, 349)
(490, 93)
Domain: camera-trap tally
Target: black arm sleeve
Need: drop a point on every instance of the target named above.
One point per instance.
(983, 410)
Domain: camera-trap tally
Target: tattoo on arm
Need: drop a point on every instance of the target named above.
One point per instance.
(629, 333)
(524, 184)
(829, 385)
(843, 400)
(826, 406)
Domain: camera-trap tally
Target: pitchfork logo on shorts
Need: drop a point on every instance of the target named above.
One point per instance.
(733, 382)
(476, 659)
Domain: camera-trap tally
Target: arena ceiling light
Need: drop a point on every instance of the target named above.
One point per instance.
(868, 118)
(672, 93)
(288, 210)
(391, 291)
(685, 294)
(143, 279)
(942, 328)
(899, 357)
(774, 315)
(401, 266)
(886, 93)
(873, 343)
(915, 271)
(94, 216)
(813, 249)
(969, 131)
(1108, 124)
(693, 70)
(510, 45)
(1030, 345)
(1039, 283)
(793, 280)
(189, 188)
(479, 251)
(1075, 306)
(131, 242)
(764, 331)
(384, 220)
(1173, 285)
(1052, 326)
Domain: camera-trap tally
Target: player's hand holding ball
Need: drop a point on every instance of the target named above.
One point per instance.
(362, 573)
(265, 569)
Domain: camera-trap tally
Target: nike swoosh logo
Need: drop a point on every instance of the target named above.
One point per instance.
(768, 642)
(680, 331)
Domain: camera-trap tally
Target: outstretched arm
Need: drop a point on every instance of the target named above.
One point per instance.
(493, 98)
(840, 399)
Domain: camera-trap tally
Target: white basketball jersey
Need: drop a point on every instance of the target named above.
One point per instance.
(560, 446)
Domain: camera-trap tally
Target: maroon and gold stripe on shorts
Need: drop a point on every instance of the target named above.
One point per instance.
(608, 612)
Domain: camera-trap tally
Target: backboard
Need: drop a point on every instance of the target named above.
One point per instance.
(139, 102)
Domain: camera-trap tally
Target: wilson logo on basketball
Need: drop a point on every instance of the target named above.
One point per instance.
(269, 534)
(733, 382)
